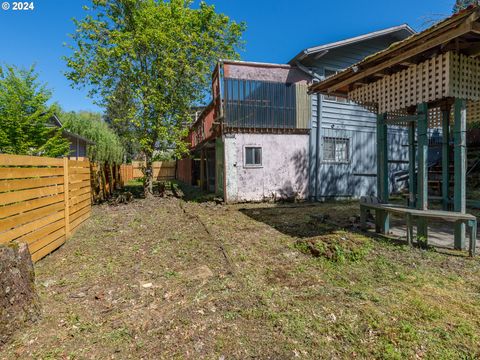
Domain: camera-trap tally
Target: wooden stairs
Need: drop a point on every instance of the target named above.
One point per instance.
(473, 173)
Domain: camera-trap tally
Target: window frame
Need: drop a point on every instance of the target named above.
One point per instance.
(344, 140)
(252, 146)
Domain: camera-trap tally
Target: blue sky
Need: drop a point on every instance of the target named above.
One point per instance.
(277, 30)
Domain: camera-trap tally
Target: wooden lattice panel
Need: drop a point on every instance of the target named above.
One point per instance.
(434, 118)
(445, 75)
(465, 76)
(395, 118)
(473, 111)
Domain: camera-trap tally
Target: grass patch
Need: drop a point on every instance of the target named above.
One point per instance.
(337, 247)
(167, 278)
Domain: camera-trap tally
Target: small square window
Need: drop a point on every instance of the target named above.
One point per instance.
(336, 149)
(253, 156)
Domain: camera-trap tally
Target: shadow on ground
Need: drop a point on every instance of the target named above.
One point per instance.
(304, 220)
(191, 193)
(318, 219)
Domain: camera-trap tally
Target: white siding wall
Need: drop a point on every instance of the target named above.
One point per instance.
(284, 170)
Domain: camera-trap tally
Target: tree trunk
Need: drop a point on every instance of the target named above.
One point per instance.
(148, 178)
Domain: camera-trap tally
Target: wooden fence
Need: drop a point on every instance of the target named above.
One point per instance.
(105, 179)
(162, 170)
(42, 200)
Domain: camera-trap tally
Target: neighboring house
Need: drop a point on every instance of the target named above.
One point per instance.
(264, 137)
(78, 144)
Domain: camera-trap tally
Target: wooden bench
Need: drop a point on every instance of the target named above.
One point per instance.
(469, 220)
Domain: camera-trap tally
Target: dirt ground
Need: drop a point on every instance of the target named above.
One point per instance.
(173, 279)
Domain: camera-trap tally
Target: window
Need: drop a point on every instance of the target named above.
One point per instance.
(253, 156)
(336, 150)
(328, 73)
(260, 104)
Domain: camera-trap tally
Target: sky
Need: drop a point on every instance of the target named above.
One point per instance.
(276, 31)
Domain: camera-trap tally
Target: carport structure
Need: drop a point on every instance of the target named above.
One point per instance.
(429, 81)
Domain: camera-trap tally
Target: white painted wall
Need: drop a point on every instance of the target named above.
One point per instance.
(284, 170)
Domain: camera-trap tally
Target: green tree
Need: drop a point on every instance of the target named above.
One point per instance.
(164, 51)
(107, 148)
(463, 4)
(25, 117)
(120, 115)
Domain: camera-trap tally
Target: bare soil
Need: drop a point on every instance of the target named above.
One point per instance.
(166, 278)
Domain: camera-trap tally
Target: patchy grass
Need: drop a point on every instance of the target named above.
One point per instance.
(165, 278)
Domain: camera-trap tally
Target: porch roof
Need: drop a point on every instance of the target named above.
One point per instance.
(460, 33)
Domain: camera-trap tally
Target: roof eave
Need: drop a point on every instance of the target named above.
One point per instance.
(76, 136)
(255, 64)
(313, 50)
(326, 85)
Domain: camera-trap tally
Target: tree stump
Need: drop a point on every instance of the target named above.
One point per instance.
(19, 302)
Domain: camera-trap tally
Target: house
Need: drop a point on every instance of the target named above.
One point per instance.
(264, 137)
(251, 142)
(78, 144)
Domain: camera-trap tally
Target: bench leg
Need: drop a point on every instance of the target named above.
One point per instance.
(409, 230)
(473, 237)
(422, 232)
(382, 221)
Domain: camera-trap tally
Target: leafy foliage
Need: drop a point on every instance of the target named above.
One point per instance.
(107, 148)
(26, 127)
(150, 61)
(463, 4)
(120, 115)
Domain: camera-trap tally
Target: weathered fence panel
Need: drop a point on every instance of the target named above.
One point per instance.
(42, 200)
(105, 178)
(162, 170)
(126, 172)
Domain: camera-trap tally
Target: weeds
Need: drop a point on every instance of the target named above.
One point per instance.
(357, 298)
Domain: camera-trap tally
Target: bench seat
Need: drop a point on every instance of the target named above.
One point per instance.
(468, 219)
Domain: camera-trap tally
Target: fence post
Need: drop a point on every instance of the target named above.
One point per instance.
(66, 192)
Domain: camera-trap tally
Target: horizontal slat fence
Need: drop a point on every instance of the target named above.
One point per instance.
(126, 172)
(42, 200)
(162, 170)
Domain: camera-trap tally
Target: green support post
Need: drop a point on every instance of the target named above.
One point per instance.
(460, 159)
(382, 218)
(412, 161)
(422, 201)
(445, 158)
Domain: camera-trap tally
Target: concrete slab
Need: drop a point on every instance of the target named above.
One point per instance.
(440, 234)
